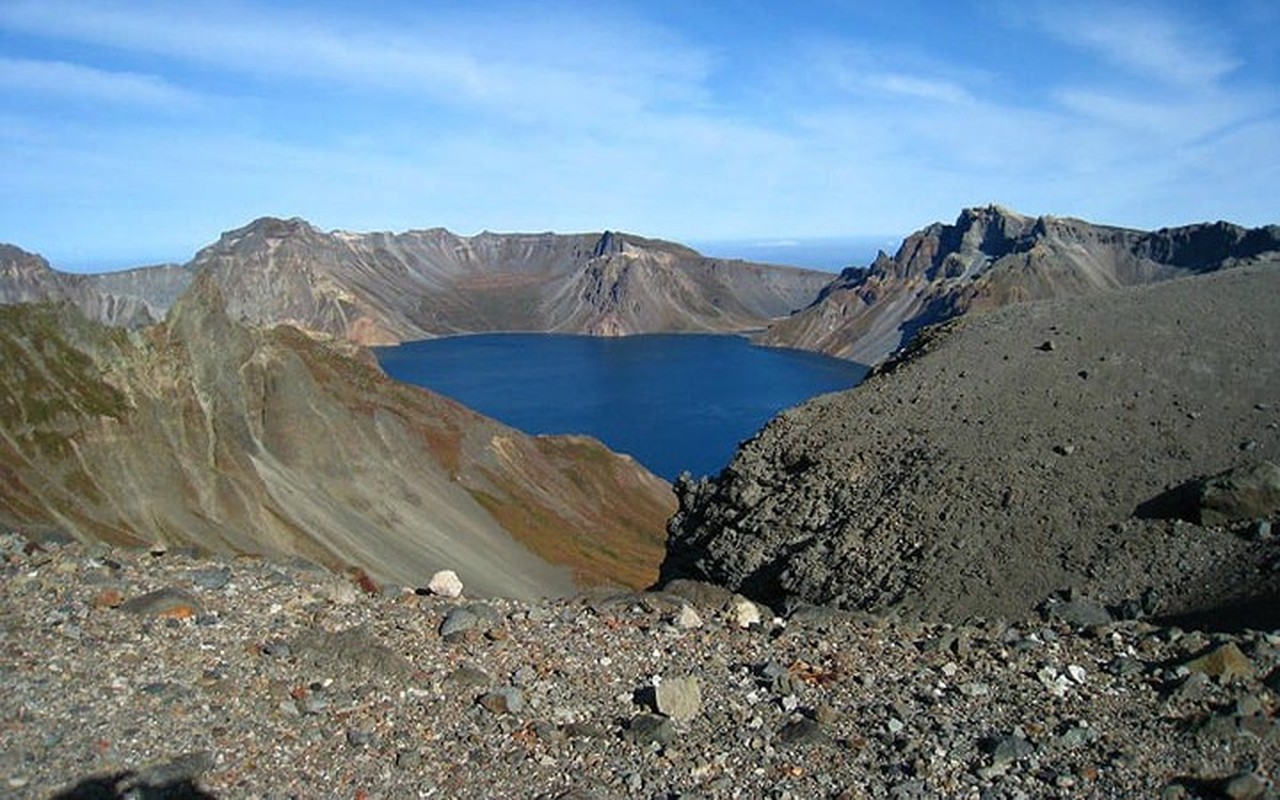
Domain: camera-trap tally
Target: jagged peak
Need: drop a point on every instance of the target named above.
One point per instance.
(610, 243)
(270, 228)
(992, 212)
(11, 254)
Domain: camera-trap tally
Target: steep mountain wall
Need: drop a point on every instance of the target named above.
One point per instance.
(991, 257)
(130, 299)
(383, 288)
(206, 432)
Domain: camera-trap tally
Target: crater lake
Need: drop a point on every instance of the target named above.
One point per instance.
(674, 402)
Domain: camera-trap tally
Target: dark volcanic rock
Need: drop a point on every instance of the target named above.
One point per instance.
(940, 486)
(1243, 493)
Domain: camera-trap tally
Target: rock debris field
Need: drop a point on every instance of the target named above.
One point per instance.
(132, 674)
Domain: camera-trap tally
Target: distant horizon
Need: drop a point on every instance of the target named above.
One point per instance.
(825, 253)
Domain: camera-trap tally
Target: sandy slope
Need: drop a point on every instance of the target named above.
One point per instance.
(1007, 462)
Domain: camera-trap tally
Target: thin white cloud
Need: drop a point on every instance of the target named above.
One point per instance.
(942, 91)
(60, 78)
(526, 68)
(1143, 41)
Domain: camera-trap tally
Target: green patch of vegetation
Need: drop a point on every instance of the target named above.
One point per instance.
(45, 376)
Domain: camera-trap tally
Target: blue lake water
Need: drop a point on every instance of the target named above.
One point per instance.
(674, 402)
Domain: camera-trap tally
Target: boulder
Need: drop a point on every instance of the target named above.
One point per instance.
(1242, 493)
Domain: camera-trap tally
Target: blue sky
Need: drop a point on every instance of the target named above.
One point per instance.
(137, 131)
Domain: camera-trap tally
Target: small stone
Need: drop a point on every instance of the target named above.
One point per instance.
(358, 738)
(1077, 673)
(1240, 494)
(468, 676)
(679, 698)
(801, 732)
(108, 598)
(1224, 662)
(687, 618)
(445, 583)
(1245, 786)
(584, 730)
(1262, 529)
(646, 729)
(408, 759)
(1010, 749)
(1046, 346)
(459, 620)
(1191, 689)
(1079, 612)
(164, 604)
(1064, 449)
(212, 578)
(744, 613)
(507, 700)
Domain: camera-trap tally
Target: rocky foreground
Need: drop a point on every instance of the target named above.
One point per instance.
(128, 673)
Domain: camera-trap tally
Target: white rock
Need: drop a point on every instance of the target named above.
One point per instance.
(744, 613)
(687, 618)
(1077, 673)
(445, 583)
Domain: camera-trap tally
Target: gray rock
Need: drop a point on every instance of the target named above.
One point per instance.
(507, 700)
(584, 730)
(679, 698)
(801, 731)
(468, 676)
(1078, 612)
(647, 729)
(1245, 786)
(1243, 493)
(1010, 749)
(409, 759)
(211, 578)
(465, 618)
(170, 603)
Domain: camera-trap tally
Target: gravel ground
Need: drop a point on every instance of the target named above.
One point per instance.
(136, 674)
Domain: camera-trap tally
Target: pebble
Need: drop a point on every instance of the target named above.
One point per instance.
(743, 613)
(1225, 662)
(679, 698)
(647, 729)
(687, 618)
(211, 578)
(167, 603)
(507, 700)
(445, 583)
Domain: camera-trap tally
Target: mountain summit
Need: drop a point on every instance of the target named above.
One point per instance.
(992, 256)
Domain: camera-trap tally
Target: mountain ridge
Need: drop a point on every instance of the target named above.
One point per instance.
(204, 431)
(991, 256)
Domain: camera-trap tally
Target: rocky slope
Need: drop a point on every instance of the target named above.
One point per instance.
(131, 298)
(206, 432)
(1015, 455)
(382, 288)
(992, 256)
(128, 675)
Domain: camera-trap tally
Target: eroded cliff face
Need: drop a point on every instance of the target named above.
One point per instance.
(132, 298)
(382, 288)
(206, 432)
(991, 257)
(1014, 455)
